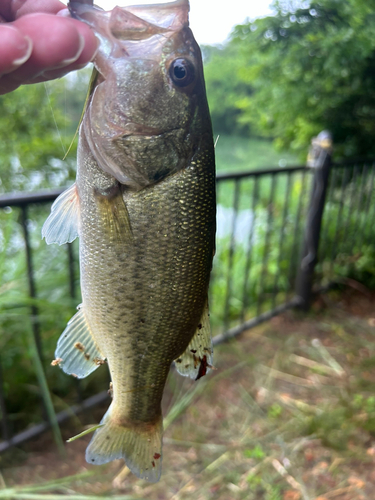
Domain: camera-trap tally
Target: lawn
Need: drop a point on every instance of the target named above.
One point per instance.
(288, 414)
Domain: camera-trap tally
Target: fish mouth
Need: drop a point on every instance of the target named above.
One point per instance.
(167, 16)
(136, 129)
(123, 31)
(148, 133)
(133, 21)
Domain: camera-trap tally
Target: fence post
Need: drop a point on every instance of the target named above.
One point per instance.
(4, 416)
(319, 158)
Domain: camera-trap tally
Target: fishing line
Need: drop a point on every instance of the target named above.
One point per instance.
(54, 119)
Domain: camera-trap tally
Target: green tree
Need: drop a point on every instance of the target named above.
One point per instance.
(225, 88)
(37, 124)
(311, 66)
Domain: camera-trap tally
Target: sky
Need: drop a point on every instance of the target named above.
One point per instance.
(210, 20)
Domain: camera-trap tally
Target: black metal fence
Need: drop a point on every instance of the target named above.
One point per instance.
(270, 226)
(261, 217)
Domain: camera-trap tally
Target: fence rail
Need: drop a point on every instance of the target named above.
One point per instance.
(263, 266)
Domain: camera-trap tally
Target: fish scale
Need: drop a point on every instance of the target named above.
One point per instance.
(143, 206)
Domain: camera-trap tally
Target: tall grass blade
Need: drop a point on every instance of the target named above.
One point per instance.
(327, 357)
(13, 495)
(178, 408)
(51, 414)
(84, 433)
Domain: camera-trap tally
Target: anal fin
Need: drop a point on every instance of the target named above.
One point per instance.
(61, 225)
(197, 360)
(76, 352)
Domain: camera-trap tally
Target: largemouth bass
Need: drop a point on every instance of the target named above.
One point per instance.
(143, 206)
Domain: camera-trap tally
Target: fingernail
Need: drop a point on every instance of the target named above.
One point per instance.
(63, 13)
(66, 62)
(97, 48)
(22, 59)
(81, 66)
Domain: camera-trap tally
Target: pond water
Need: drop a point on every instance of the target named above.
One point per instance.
(243, 224)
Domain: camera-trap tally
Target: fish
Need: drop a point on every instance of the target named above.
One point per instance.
(143, 206)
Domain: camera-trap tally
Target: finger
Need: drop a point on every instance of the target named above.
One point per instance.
(8, 85)
(13, 9)
(87, 55)
(15, 49)
(57, 43)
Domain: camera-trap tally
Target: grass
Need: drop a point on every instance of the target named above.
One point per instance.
(288, 415)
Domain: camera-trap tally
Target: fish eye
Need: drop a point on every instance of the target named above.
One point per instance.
(182, 72)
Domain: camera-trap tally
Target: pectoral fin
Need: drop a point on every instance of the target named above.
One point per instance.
(197, 360)
(115, 214)
(62, 223)
(76, 352)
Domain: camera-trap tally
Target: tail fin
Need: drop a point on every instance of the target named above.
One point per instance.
(141, 448)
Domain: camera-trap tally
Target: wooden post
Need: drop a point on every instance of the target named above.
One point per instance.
(319, 158)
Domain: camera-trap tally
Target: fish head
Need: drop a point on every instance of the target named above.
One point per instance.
(148, 111)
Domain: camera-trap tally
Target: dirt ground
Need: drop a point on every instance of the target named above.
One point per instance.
(288, 414)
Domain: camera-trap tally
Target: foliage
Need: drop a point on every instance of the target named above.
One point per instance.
(38, 122)
(256, 452)
(222, 66)
(311, 67)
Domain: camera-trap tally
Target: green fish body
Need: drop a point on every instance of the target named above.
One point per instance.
(143, 206)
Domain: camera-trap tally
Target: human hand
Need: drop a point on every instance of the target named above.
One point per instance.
(39, 42)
